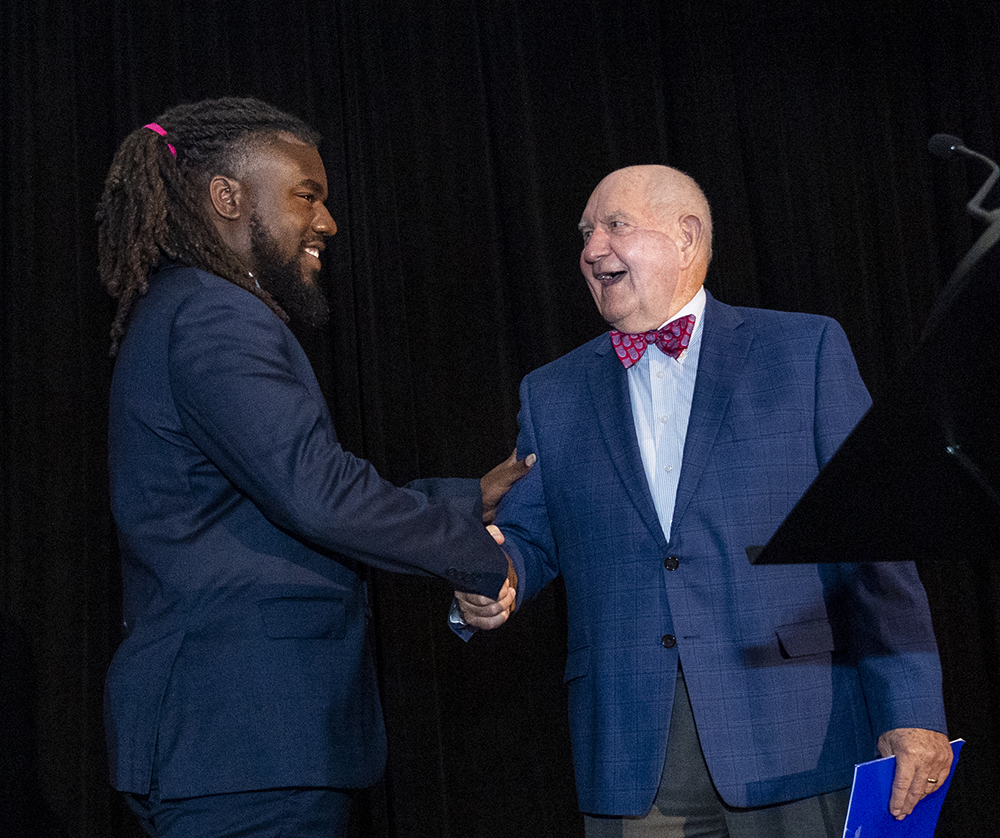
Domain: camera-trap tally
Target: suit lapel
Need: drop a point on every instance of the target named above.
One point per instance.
(610, 397)
(724, 346)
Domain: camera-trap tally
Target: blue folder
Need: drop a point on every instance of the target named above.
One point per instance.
(868, 814)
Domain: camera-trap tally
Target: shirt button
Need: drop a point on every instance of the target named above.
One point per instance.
(659, 373)
(664, 418)
(671, 562)
(668, 469)
(668, 641)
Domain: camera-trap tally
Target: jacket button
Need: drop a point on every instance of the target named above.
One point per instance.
(671, 562)
(668, 641)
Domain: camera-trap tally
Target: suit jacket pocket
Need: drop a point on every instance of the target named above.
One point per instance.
(302, 617)
(577, 664)
(812, 637)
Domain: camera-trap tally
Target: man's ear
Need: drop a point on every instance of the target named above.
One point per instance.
(692, 231)
(226, 196)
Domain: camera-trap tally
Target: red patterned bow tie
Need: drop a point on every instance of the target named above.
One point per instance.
(672, 340)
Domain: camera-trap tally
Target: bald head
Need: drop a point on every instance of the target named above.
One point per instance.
(668, 194)
(647, 234)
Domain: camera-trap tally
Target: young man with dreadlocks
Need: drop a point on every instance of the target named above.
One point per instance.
(243, 698)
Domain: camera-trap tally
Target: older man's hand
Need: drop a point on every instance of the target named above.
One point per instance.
(923, 761)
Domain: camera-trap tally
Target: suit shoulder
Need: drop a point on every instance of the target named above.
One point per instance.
(181, 282)
(786, 327)
(184, 294)
(184, 304)
(786, 320)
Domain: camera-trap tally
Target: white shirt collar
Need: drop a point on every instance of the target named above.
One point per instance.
(695, 306)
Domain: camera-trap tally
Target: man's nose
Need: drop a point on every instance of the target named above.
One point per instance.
(596, 246)
(323, 222)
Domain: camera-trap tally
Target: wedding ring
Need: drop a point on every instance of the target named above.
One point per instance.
(929, 780)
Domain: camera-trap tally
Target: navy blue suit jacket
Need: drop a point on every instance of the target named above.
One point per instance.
(793, 671)
(243, 528)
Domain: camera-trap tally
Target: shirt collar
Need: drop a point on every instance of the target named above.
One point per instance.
(695, 306)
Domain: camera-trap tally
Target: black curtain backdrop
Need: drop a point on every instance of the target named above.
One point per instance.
(462, 140)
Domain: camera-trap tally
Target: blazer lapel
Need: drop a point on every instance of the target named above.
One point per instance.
(724, 346)
(610, 397)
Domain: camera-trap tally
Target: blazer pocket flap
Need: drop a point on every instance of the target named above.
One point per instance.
(297, 617)
(813, 637)
(577, 664)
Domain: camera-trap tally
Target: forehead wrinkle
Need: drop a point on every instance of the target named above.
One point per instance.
(656, 195)
(618, 215)
(608, 217)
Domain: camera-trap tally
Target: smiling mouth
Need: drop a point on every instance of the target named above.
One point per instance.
(313, 251)
(609, 278)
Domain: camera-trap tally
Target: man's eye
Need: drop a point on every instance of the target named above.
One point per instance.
(586, 234)
(308, 196)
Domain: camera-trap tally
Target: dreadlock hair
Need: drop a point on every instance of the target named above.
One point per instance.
(152, 206)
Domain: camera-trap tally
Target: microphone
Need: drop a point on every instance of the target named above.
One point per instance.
(946, 146)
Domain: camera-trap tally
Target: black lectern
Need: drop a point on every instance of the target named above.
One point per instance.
(919, 477)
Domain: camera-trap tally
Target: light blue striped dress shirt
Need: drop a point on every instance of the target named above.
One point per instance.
(661, 389)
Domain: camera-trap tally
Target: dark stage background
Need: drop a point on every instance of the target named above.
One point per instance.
(462, 140)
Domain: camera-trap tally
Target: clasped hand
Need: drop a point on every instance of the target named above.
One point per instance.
(482, 612)
(498, 480)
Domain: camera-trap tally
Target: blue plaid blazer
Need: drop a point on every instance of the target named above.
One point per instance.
(794, 671)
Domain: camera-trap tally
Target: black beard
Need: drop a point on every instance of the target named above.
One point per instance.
(303, 302)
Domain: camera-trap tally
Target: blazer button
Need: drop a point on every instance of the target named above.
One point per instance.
(671, 563)
(668, 641)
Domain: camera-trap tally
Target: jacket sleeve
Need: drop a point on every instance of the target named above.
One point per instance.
(523, 516)
(885, 611)
(247, 398)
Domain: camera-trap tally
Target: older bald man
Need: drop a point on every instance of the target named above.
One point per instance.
(708, 696)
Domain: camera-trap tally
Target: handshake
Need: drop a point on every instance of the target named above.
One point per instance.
(481, 612)
(478, 611)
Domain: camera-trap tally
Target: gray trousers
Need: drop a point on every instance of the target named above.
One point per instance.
(688, 806)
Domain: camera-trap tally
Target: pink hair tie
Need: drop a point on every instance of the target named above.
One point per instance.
(162, 132)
